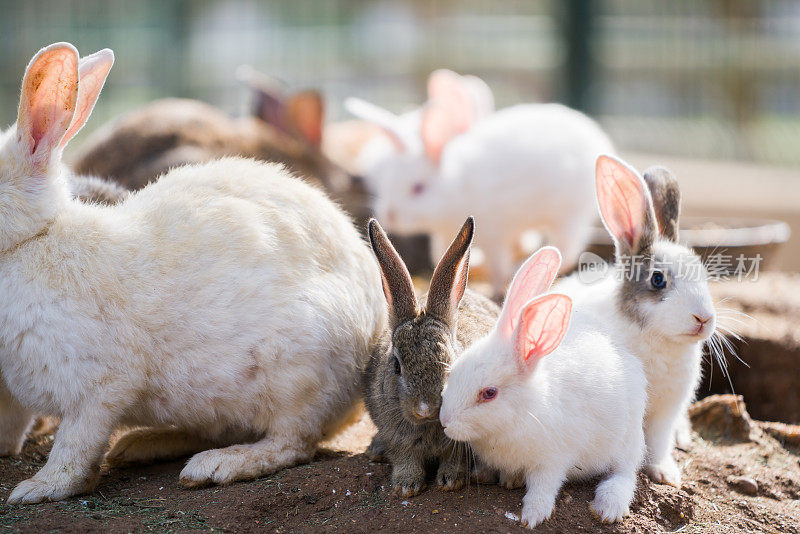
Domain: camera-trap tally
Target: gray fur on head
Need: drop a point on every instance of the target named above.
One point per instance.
(423, 342)
(666, 196)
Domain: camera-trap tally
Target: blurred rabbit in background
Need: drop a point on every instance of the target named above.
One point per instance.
(145, 143)
(526, 167)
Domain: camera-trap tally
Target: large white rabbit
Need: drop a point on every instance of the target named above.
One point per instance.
(575, 414)
(226, 305)
(525, 167)
(655, 301)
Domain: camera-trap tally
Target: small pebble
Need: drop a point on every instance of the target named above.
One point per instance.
(745, 485)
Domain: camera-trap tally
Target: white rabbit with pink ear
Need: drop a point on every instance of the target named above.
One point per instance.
(527, 167)
(225, 311)
(655, 302)
(553, 401)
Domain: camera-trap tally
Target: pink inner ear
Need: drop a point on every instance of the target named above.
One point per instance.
(454, 92)
(438, 128)
(620, 195)
(543, 324)
(49, 94)
(532, 279)
(92, 72)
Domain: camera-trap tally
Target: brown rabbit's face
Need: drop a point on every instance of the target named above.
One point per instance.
(421, 356)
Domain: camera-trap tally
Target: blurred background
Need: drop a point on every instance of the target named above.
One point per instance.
(709, 87)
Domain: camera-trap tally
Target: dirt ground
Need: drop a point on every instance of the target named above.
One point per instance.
(342, 491)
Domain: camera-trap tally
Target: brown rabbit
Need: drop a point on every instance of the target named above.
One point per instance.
(140, 146)
(406, 374)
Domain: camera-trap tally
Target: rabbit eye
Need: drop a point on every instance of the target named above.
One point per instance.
(657, 280)
(397, 369)
(417, 189)
(487, 394)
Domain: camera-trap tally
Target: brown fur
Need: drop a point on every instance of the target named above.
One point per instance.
(94, 189)
(140, 146)
(666, 197)
(423, 345)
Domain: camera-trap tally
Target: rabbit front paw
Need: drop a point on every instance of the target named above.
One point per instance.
(376, 452)
(450, 476)
(534, 514)
(41, 489)
(408, 480)
(610, 508)
(512, 480)
(666, 472)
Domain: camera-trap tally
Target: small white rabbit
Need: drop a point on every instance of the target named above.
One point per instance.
(575, 414)
(655, 301)
(525, 167)
(226, 305)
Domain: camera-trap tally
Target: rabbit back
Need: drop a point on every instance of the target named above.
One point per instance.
(226, 293)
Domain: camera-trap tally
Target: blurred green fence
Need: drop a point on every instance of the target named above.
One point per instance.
(703, 78)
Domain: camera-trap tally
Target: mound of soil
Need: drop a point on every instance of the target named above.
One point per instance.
(732, 483)
(765, 314)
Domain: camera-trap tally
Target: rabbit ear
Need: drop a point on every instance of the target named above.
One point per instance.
(481, 95)
(451, 110)
(92, 73)
(532, 279)
(386, 120)
(542, 325)
(625, 206)
(449, 280)
(666, 197)
(48, 100)
(268, 103)
(305, 113)
(439, 126)
(397, 284)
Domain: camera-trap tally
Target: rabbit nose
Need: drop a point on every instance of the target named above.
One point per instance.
(702, 319)
(423, 410)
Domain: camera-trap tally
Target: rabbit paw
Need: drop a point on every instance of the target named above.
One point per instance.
(512, 481)
(450, 477)
(667, 472)
(36, 490)
(376, 452)
(532, 516)
(216, 466)
(483, 474)
(409, 490)
(609, 508)
(10, 449)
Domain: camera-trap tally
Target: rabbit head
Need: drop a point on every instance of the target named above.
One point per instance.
(481, 398)
(664, 285)
(423, 338)
(403, 169)
(58, 94)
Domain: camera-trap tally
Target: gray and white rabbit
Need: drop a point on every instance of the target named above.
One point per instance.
(655, 301)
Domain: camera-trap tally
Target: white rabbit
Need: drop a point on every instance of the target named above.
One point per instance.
(226, 305)
(525, 167)
(575, 414)
(655, 301)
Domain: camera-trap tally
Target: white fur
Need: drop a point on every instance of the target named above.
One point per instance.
(663, 340)
(229, 301)
(671, 359)
(576, 414)
(525, 167)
